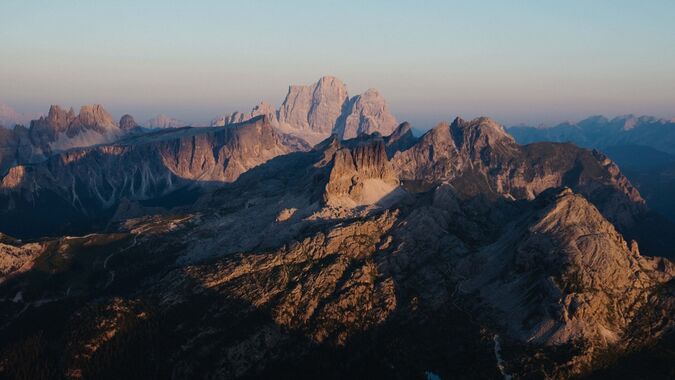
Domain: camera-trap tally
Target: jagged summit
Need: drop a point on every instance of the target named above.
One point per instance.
(127, 122)
(61, 129)
(314, 112)
(580, 267)
(263, 108)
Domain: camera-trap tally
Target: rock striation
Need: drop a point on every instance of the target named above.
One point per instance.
(314, 112)
(569, 277)
(366, 114)
(479, 157)
(86, 182)
(360, 174)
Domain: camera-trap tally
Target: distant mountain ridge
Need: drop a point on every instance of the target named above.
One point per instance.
(600, 132)
(163, 121)
(643, 146)
(60, 130)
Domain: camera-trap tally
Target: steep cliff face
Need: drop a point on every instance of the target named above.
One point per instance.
(89, 180)
(62, 129)
(316, 108)
(58, 131)
(366, 114)
(360, 175)
(479, 157)
(562, 274)
(314, 112)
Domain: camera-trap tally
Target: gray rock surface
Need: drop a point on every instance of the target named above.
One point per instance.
(314, 112)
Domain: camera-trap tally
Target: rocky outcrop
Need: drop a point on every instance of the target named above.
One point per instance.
(328, 284)
(366, 114)
(400, 139)
(479, 157)
(58, 131)
(360, 175)
(127, 122)
(15, 257)
(570, 276)
(316, 111)
(62, 129)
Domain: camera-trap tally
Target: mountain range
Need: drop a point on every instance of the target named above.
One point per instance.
(600, 132)
(643, 146)
(323, 239)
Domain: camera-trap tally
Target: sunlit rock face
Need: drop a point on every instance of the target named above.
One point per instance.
(143, 167)
(360, 175)
(127, 122)
(314, 108)
(314, 112)
(60, 130)
(366, 113)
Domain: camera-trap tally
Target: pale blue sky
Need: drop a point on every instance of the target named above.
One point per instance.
(517, 61)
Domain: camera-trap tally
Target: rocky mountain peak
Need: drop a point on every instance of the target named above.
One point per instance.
(314, 108)
(400, 139)
(589, 285)
(361, 174)
(366, 113)
(59, 119)
(62, 129)
(314, 112)
(127, 122)
(95, 116)
(481, 137)
(306, 249)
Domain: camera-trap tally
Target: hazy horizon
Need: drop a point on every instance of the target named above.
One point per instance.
(517, 63)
